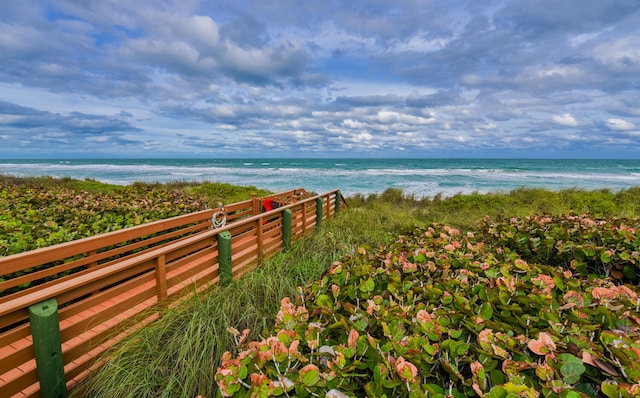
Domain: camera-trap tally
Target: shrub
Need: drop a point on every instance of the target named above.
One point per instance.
(447, 314)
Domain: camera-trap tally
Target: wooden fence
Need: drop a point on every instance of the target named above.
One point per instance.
(88, 294)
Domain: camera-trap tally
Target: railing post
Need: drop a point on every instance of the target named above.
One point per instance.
(93, 264)
(224, 258)
(255, 208)
(45, 329)
(318, 213)
(286, 229)
(338, 199)
(161, 279)
(304, 217)
(260, 237)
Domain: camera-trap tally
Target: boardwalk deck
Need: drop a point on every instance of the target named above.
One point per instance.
(99, 306)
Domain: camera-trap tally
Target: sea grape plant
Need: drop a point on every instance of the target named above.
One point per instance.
(32, 217)
(441, 313)
(606, 247)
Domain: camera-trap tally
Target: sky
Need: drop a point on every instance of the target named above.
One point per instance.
(330, 78)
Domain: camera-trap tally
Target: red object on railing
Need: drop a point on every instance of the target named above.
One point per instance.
(270, 204)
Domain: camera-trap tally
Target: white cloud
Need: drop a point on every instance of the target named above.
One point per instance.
(420, 44)
(559, 71)
(580, 39)
(620, 124)
(201, 29)
(565, 120)
(460, 138)
(397, 117)
(354, 124)
(622, 54)
(286, 56)
(364, 136)
(228, 127)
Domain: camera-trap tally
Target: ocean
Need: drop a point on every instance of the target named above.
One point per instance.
(420, 177)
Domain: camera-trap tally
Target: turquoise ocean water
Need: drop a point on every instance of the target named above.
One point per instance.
(422, 177)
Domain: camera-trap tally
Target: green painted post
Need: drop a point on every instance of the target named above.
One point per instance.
(338, 199)
(318, 213)
(286, 229)
(45, 329)
(224, 258)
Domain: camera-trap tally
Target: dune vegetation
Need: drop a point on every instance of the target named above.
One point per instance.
(523, 293)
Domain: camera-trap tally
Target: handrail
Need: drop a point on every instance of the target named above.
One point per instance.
(90, 248)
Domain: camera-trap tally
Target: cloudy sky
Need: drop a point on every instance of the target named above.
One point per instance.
(325, 78)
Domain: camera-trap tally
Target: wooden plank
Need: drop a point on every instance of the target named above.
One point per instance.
(186, 250)
(14, 335)
(107, 312)
(78, 370)
(107, 326)
(13, 317)
(243, 244)
(18, 379)
(11, 357)
(99, 302)
(201, 267)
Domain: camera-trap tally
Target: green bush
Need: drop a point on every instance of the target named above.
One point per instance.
(439, 313)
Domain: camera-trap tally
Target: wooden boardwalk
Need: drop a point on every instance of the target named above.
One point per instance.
(157, 265)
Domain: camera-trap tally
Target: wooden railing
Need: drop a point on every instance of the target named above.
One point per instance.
(117, 278)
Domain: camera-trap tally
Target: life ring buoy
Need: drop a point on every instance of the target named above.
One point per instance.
(219, 218)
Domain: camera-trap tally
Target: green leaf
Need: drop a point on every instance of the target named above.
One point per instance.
(324, 301)
(486, 311)
(434, 390)
(491, 273)
(586, 388)
(309, 375)
(379, 373)
(610, 388)
(454, 334)
(589, 252)
(462, 349)
(497, 392)
(571, 368)
(367, 286)
(630, 272)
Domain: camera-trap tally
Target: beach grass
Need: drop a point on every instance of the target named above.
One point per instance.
(177, 355)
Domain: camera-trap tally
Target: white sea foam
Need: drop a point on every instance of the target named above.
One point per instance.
(418, 177)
